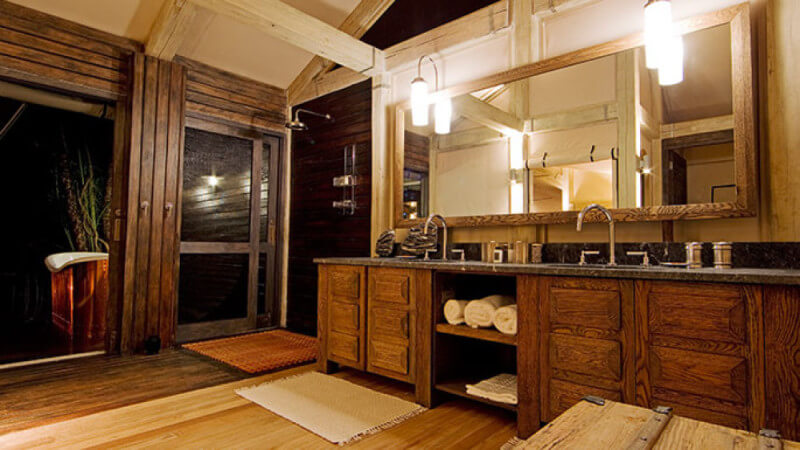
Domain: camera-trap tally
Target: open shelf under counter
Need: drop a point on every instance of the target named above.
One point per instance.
(458, 387)
(484, 334)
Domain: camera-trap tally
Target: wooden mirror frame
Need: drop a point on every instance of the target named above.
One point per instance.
(745, 152)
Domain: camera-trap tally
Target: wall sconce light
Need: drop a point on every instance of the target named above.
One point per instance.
(645, 168)
(420, 101)
(663, 47)
(213, 181)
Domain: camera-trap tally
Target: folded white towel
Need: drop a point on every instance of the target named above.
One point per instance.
(454, 311)
(505, 319)
(500, 388)
(480, 313)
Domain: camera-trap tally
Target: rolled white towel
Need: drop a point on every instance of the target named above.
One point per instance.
(454, 311)
(505, 319)
(480, 313)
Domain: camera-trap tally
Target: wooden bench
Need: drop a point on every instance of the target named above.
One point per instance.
(594, 423)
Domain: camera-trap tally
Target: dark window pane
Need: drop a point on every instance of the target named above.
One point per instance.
(212, 287)
(216, 187)
(265, 191)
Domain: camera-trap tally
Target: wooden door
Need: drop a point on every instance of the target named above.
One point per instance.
(699, 351)
(228, 231)
(587, 341)
(391, 323)
(342, 325)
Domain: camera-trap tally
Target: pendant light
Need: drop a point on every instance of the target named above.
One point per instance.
(657, 30)
(420, 102)
(670, 69)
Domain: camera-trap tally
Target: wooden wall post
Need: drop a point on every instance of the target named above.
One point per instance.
(382, 182)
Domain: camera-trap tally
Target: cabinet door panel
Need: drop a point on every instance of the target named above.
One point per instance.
(696, 314)
(344, 349)
(391, 286)
(345, 317)
(388, 357)
(389, 323)
(595, 357)
(345, 283)
(718, 376)
(586, 308)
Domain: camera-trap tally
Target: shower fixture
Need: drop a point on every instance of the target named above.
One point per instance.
(298, 125)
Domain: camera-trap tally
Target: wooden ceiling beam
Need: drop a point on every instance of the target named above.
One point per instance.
(487, 115)
(170, 29)
(299, 29)
(476, 25)
(360, 20)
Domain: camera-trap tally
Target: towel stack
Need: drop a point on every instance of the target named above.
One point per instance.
(500, 388)
(495, 310)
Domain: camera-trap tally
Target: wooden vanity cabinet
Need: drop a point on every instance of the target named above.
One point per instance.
(587, 342)
(377, 320)
(700, 351)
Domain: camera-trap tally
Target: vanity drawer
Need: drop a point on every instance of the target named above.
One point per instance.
(698, 311)
(345, 349)
(346, 284)
(345, 317)
(390, 286)
(594, 357)
(388, 359)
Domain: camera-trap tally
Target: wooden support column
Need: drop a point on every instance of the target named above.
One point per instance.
(382, 205)
(154, 184)
(628, 135)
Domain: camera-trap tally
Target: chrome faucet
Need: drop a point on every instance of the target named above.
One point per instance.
(612, 260)
(444, 241)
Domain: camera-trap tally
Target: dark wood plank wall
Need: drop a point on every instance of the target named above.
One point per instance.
(216, 95)
(154, 184)
(43, 50)
(417, 152)
(316, 229)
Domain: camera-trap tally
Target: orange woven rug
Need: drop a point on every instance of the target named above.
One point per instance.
(260, 352)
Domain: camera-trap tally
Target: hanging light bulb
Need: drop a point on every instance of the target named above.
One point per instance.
(670, 70)
(443, 113)
(419, 102)
(657, 30)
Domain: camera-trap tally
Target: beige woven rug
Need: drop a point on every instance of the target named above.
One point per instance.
(332, 408)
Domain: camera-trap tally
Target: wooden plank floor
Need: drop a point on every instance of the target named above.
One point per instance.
(41, 394)
(216, 417)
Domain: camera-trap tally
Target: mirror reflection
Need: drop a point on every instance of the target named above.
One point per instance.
(602, 131)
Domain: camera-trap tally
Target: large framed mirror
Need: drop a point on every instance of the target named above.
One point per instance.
(538, 143)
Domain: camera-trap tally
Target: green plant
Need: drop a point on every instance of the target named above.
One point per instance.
(86, 193)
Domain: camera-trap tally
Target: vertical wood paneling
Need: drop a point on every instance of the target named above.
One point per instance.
(154, 182)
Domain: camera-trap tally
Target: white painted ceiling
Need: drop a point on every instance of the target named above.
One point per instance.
(214, 40)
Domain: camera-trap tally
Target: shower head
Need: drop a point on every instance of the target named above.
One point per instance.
(299, 125)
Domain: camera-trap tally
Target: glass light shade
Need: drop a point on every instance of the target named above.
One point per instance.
(419, 102)
(657, 31)
(670, 71)
(443, 112)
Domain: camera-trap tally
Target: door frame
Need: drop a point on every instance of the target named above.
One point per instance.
(254, 247)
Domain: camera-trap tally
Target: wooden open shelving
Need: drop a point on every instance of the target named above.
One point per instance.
(484, 334)
(458, 388)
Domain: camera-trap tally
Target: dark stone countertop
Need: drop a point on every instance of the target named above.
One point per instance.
(708, 274)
